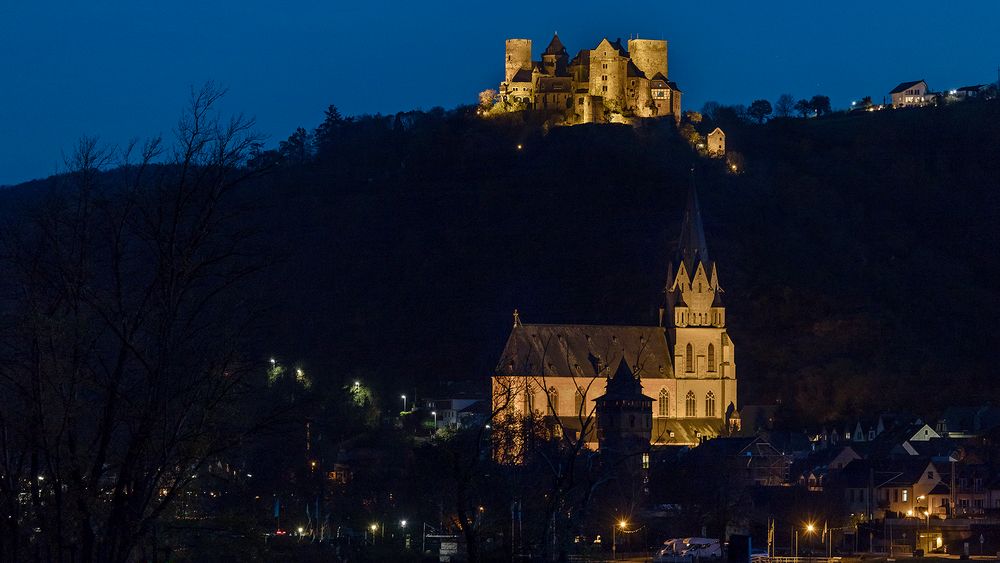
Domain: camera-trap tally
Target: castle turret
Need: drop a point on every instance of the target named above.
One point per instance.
(518, 57)
(650, 55)
(555, 57)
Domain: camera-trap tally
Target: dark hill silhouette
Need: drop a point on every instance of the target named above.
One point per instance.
(858, 252)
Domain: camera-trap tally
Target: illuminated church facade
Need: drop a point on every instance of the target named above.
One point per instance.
(686, 363)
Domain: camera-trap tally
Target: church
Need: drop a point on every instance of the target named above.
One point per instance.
(685, 364)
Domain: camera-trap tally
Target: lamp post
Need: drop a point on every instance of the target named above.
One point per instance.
(435, 415)
(614, 538)
(404, 402)
(374, 528)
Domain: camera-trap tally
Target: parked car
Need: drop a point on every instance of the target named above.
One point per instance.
(678, 549)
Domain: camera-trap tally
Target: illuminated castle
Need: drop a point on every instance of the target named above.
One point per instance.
(608, 83)
(685, 365)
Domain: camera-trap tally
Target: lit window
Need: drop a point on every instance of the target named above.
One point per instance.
(689, 359)
(689, 404)
(710, 404)
(906, 495)
(553, 401)
(645, 461)
(663, 403)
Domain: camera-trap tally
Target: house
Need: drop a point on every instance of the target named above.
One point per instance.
(895, 487)
(911, 94)
(717, 143)
(750, 461)
(968, 92)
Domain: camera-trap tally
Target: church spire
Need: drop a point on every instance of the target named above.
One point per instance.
(692, 247)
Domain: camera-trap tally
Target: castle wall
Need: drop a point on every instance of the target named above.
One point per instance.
(650, 55)
(518, 56)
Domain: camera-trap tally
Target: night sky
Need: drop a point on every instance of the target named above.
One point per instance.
(120, 69)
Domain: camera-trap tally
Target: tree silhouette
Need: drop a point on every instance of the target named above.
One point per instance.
(759, 110)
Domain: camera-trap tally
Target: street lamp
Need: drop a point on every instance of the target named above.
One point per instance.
(373, 528)
(435, 415)
(614, 538)
(404, 402)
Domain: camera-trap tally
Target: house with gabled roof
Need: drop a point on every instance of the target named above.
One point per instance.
(911, 94)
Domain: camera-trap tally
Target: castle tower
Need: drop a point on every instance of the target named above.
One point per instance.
(518, 57)
(624, 415)
(650, 55)
(695, 318)
(555, 57)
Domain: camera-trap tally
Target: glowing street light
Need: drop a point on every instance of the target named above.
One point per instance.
(614, 537)
(402, 523)
(810, 528)
(301, 530)
(404, 402)
(435, 415)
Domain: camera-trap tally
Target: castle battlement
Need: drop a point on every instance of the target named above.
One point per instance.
(609, 83)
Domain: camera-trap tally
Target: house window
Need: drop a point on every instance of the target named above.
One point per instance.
(710, 404)
(645, 461)
(689, 404)
(553, 401)
(711, 357)
(689, 359)
(664, 402)
(906, 495)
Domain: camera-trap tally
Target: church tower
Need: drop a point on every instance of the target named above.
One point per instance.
(695, 319)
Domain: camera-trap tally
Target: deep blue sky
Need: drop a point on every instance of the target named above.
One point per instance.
(122, 69)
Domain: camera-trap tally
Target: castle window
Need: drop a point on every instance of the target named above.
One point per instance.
(553, 401)
(689, 359)
(710, 404)
(604, 77)
(529, 399)
(711, 357)
(689, 404)
(664, 402)
(578, 403)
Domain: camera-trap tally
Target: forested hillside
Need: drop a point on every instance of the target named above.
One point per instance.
(857, 252)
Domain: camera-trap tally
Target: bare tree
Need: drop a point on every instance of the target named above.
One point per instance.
(128, 301)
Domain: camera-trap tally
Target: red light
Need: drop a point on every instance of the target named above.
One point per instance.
(280, 532)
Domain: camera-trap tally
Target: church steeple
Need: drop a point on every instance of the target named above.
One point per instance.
(693, 295)
(692, 247)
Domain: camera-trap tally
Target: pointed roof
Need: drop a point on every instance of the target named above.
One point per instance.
(692, 247)
(623, 385)
(555, 46)
(906, 86)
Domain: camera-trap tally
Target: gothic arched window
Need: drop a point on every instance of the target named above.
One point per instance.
(711, 357)
(689, 404)
(578, 403)
(664, 402)
(529, 399)
(689, 359)
(710, 404)
(553, 401)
